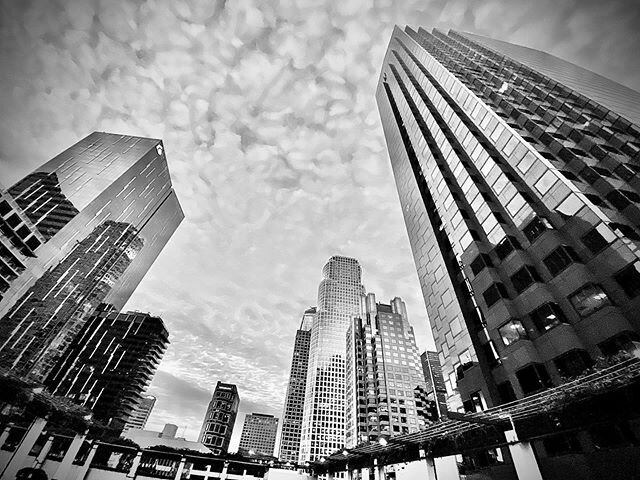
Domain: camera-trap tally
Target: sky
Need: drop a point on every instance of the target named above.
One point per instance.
(273, 140)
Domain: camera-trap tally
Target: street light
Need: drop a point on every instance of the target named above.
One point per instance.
(382, 441)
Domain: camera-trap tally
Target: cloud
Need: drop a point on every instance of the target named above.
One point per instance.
(268, 116)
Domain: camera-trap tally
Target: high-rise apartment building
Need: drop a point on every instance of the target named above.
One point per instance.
(82, 229)
(518, 178)
(259, 434)
(436, 391)
(217, 426)
(110, 363)
(323, 423)
(140, 414)
(294, 401)
(385, 386)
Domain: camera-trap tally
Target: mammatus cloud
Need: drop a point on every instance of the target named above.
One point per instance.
(273, 139)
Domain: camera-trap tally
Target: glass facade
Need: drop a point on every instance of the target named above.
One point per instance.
(259, 434)
(521, 198)
(110, 363)
(294, 401)
(386, 393)
(220, 418)
(98, 215)
(339, 294)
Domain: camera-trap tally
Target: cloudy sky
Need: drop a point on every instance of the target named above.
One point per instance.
(273, 140)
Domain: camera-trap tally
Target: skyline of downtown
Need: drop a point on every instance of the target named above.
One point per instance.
(387, 264)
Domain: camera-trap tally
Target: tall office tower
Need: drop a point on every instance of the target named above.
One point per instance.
(385, 388)
(82, 229)
(294, 402)
(140, 414)
(110, 363)
(435, 381)
(339, 293)
(518, 177)
(217, 426)
(259, 434)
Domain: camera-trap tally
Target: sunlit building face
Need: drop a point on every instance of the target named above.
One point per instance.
(518, 177)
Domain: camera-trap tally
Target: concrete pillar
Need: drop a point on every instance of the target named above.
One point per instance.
(330, 476)
(5, 434)
(20, 458)
(42, 456)
(82, 472)
(134, 466)
(364, 473)
(225, 469)
(180, 468)
(378, 470)
(63, 471)
(207, 472)
(349, 473)
(524, 458)
(446, 468)
(427, 469)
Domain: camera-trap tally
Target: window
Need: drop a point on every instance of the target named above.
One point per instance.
(505, 390)
(524, 277)
(560, 259)
(545, 182)
(536, 227)
(573, 363)
(598, 238)
(512, 331)
(618, 342)
(589, 299)
(533, 378)
(629, 279)
(480, 263)
(494, 293)
(506, 246)
(547, 316)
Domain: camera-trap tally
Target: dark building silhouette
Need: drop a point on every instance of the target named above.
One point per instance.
(294, 401)
(81, 230)
(220, 418)
(518, 177)
(110, 363)
(436, 390)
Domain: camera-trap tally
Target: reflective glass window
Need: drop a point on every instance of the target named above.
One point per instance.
(512, 331)
(524, 277)
(589, 299)
(546, 182)
(629, 279)
(547, 316)
(560, 259)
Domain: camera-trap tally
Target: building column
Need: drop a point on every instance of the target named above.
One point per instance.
(364, 473)
(225, 468)
(134, 466)
(63, 471)
(524, 458)
(5, 434)
(82, 472)
(330, 476)
(428, 468)
(183, 460)
(20, 459)
(349, 473)
(378, 470)
(42, 456)
(446, 468)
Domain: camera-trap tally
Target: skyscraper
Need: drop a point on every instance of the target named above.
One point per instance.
(518, 177)
(259, 434)
(294, 401)
(82, 229)
(385, 386)
(110, 362)
(436, 390)
(141, 412)
(218, 422)
(339, 293)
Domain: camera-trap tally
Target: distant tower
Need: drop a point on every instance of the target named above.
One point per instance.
(385, 387)
(518, 176)
(259, 434)
(294, 402)
(217, 426)
(110, 363)
(141, 412)
(82, 229)
(339, 296)
(434, 380)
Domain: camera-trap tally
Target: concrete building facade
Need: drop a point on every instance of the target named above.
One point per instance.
(259, 434)
(220, 418)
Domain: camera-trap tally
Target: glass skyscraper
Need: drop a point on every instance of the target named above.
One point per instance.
(517, 173)
(339, 294)
(294, 401)
(82, 229)
(386, 392)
